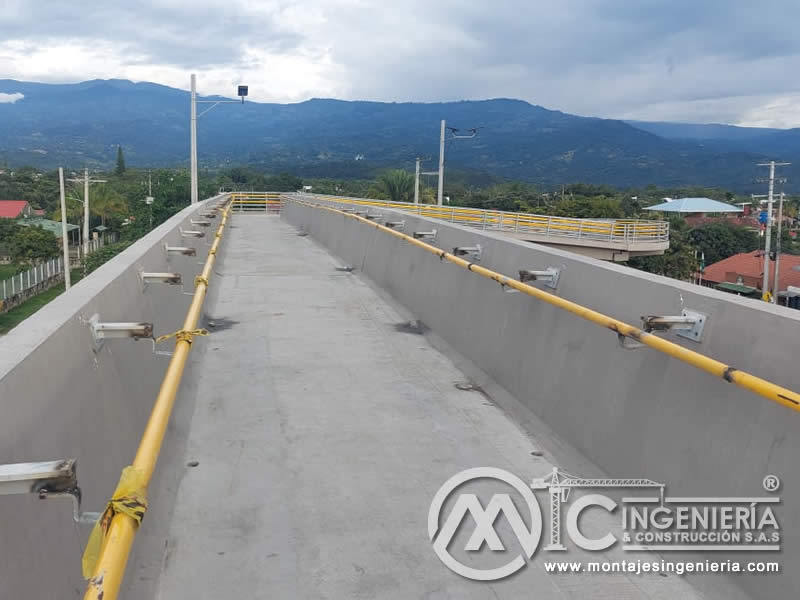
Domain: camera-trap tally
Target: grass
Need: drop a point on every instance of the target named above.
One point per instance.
(19, 313)
(6, 271)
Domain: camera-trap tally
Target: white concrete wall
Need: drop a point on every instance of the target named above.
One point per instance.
(60, 399)
(634, 413)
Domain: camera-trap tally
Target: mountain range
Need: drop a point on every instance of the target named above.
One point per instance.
(77, 124)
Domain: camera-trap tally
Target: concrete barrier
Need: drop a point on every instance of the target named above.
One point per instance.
(61, 399)
(634, 413)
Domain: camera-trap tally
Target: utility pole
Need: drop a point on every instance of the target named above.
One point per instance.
(86, 181)
(441, 166)
(64, 240)
(765, 282)
(416, 183)
(193, 139)
(473, 132)
(776, 277)
(149, 199)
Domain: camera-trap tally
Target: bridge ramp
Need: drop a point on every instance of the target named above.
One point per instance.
(323, 427)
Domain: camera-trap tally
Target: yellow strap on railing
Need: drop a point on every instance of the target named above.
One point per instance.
(182, 335)
(129, 498)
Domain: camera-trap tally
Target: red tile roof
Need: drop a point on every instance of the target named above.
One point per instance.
(11, 209)
(749, 266)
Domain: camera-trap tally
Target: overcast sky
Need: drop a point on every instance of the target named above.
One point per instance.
(730, 61)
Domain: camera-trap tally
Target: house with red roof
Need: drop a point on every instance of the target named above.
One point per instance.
(13, 209)
(743, 274)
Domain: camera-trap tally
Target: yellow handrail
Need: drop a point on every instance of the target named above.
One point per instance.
(730, 374)
(602, 229)
(107, 574)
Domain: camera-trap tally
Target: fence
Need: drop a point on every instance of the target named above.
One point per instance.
(43, 273)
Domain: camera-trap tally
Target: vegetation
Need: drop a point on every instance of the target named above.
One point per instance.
(678, 261)
(718, 241)
(120, 170)
(397, 185)
(31, 245)
(103, 255)
(119, 205)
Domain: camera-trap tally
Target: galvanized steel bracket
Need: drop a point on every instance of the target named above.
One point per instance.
(49, 479)
(101, 331)
(689, 324)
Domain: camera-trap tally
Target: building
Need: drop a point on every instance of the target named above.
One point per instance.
(743, 273)
(14, 209)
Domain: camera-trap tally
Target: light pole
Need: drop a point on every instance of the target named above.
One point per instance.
(454, 131)
(242, 92)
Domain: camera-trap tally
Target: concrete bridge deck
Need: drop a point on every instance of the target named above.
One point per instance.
(323, 427)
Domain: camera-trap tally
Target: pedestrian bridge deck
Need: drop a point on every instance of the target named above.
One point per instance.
(323, 427)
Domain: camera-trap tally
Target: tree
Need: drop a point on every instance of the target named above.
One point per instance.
(32, 244)
(397, 184)
(597, 207)
(678, 260)
(107, 203)
(720, 240)
(120, 162)
(282, 182)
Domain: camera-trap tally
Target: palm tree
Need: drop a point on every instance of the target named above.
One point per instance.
(107, 203)
(397, 184)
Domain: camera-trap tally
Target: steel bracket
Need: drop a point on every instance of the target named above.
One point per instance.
(399, 225)
(548, 277)
(689, 324)
(102, 331)
(50, 479)
(186, 251)
(471, 252)
(424, 235)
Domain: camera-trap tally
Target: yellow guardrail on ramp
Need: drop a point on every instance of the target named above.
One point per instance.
(621, 231)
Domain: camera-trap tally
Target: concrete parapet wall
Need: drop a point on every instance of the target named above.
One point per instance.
(634, 413)
(61, 399)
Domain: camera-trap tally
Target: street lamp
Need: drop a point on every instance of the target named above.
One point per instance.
(242, 92)
(455, 135)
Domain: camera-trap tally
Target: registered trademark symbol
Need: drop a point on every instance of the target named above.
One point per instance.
(771, 483)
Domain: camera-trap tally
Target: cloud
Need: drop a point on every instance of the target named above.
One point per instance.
(10, 98)
(716, 60)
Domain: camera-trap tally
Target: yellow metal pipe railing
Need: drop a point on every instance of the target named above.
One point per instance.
(759, 386)
(605, 229)
(108, 572)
